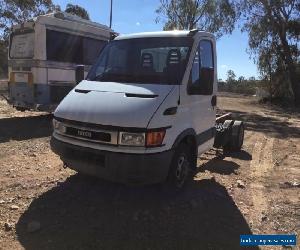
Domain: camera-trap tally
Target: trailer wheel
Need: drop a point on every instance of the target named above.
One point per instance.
(236, 140)
(223, 133)
(21, 109)
(227, 124)
(181, 167)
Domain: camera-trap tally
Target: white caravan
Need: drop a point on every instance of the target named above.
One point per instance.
(43, 55)
(146, 110)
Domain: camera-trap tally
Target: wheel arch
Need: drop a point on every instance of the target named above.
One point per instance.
(189, 137)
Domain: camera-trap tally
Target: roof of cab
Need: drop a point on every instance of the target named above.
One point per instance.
(173, 33)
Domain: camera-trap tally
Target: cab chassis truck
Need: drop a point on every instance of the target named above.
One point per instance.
(146, 110)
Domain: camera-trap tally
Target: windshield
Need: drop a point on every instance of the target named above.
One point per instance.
(143, 60)
(22, 45)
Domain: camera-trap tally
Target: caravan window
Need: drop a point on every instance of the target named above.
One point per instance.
(64, 47)
(22, 45)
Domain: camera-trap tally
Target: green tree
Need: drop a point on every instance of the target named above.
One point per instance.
(18, 11)
(216, 16)
(252, 79)
(241, 79)
(230, 76)
(274, 32)
(77, 10)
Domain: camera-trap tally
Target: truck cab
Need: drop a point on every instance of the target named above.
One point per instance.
(146, 109)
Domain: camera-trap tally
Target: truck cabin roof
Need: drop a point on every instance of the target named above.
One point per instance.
(173, 33)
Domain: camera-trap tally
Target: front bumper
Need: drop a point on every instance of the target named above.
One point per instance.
(113, 166)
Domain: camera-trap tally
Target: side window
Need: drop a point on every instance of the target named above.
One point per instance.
(202, 72)
(63, 47)
(206, 54)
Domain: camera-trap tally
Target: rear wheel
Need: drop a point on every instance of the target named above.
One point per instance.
(21, 109)
(238, 131)
(181, 167)
(236, 139)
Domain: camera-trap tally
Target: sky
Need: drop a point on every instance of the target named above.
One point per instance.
(130, 16)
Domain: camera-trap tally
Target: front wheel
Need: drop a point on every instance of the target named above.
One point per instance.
(181, 167)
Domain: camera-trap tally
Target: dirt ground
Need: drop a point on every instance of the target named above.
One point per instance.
(255, 191)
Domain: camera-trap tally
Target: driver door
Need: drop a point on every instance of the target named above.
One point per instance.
(201, 90)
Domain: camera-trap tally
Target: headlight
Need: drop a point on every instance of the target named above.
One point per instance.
(58, 126)
(55, 124)
(132, 139)
(148, 139)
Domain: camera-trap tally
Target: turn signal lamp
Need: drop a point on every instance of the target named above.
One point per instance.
(155, 138)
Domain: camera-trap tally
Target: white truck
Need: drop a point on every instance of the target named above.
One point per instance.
(146, 110)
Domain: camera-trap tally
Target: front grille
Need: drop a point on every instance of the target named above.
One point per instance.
(87, 134)
(93, 126)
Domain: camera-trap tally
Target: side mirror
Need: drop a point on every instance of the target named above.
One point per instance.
(79, 73)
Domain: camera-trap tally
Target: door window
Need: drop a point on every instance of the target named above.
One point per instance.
(206, 54)
(202, 72)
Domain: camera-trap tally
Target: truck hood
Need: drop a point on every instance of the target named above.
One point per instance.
(110, 103)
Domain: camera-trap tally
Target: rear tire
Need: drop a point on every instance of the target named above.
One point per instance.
(238, 132)
(181, 167)
(236, 140)
(21, 109)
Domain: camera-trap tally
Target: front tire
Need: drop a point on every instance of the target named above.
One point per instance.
(181, 167)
